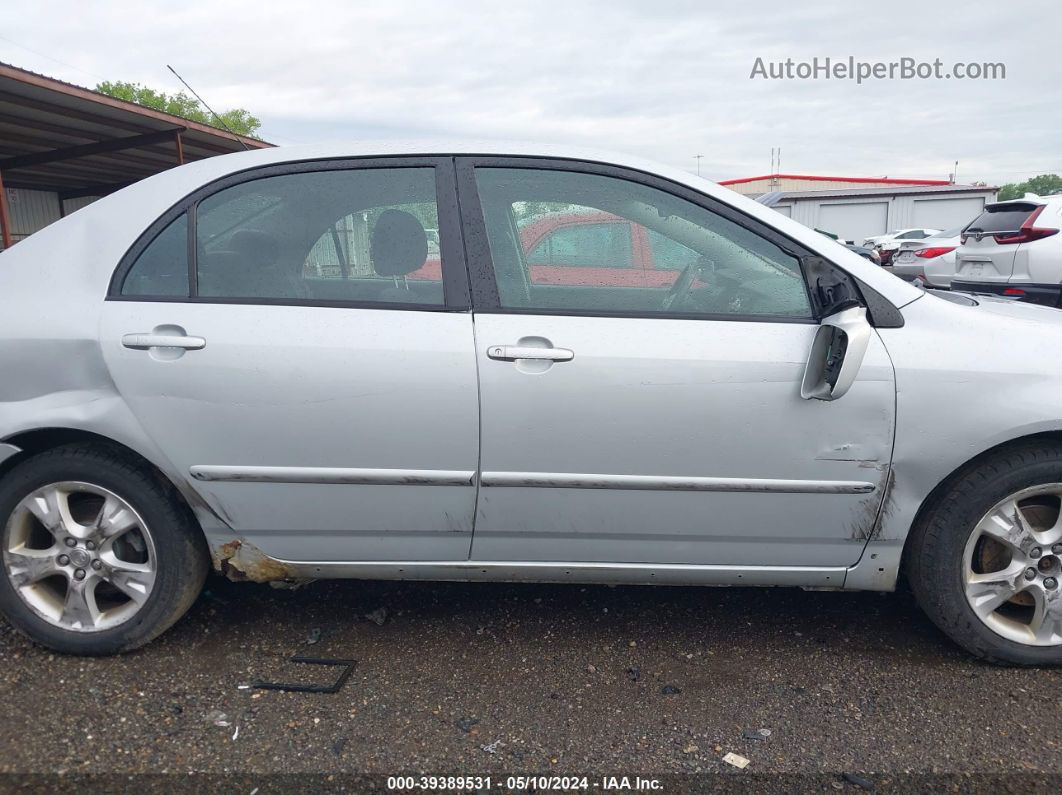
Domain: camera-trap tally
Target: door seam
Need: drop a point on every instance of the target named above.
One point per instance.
(475, 356)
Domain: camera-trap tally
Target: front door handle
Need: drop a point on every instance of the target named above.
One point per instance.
(508, 353)
(143, 342)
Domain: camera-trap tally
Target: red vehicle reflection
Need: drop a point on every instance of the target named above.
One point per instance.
(593, 248)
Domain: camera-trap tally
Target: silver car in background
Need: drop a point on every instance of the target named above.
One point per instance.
(258, 363)
(932, 260)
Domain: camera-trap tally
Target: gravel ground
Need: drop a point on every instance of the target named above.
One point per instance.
(493, 679)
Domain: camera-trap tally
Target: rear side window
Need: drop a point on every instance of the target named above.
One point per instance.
(161, 270)
(1002, 218)
(359, 235)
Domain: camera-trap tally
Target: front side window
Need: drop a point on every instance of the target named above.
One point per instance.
(670, 254)
(694, 261)
(580, 241)
(358, 235)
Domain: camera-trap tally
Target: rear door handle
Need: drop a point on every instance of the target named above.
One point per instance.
(508, 353)
(143, 342)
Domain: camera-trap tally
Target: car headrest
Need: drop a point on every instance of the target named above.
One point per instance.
(399, 244)
(258, 248)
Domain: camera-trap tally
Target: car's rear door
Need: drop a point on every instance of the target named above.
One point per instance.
(660, 424)
(270, 335)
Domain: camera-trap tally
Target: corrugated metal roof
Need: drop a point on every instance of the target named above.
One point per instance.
(41, 115)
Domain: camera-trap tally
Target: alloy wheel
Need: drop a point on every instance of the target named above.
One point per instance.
(79, 556)
(1012, 567)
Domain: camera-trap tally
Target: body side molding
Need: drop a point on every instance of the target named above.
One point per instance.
(337, 475)
(542, 480)
(565, 480)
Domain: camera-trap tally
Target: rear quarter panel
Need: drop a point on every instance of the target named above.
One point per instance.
(52, 288)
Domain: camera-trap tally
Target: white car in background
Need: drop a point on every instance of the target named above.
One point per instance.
(932, 259)
(886, 245)
(898, 236)
(1013, 249)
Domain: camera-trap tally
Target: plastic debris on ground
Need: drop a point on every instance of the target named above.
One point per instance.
(492, 748)
(737, 760)
(218, 718)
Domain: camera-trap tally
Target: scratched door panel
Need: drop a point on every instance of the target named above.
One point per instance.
(668, 400)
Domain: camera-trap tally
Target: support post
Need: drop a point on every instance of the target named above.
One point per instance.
(180, 147)
(5, 216)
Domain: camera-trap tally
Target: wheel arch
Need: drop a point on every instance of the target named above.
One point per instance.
(40, 440)
(883, 562)
(1053, 438)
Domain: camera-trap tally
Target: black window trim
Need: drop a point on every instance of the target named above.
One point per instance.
(485, 297)
(456, 297)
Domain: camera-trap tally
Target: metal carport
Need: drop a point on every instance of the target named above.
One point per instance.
(72, 143)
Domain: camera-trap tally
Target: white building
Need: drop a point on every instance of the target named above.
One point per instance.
(855, 208)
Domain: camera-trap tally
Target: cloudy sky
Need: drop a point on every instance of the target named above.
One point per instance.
(667, 79)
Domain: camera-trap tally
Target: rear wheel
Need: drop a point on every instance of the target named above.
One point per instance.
(986, 560)
(99, 553)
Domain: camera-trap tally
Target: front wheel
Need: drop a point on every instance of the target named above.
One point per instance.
(985, 561)
(99, 554)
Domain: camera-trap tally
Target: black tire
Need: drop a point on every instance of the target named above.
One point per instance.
(935, 555)
(182, 559)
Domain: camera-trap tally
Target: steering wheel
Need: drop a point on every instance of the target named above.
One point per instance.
(682, 285)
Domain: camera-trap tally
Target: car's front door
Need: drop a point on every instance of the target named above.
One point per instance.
(660, 424)
(319, 400)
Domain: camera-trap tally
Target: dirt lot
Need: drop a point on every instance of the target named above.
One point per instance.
(483, 679)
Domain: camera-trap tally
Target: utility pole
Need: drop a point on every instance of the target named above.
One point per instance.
(698, 159)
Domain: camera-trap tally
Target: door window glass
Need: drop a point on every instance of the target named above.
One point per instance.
(161, 270)
(358, 235)
(580, 242)
(698, 262)
(670, 254)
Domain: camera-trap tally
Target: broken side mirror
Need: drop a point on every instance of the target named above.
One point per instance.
(836, 354)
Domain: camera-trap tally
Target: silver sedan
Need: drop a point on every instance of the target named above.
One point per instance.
(506, 363)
